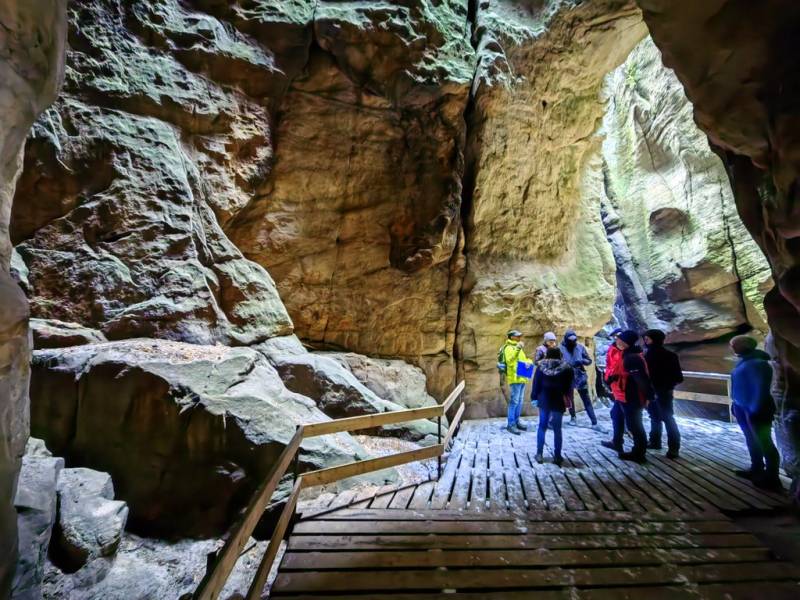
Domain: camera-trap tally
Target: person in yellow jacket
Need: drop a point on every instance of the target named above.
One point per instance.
(512, 354)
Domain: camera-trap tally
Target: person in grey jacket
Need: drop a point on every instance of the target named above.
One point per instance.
(576, 355)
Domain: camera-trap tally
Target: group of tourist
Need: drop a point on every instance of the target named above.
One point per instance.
(639, 378)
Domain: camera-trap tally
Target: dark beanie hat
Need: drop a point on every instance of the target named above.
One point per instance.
(629, 337)
(656, 335)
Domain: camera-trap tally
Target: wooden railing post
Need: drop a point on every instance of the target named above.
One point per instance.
(730, 398)
(296, 461)
(439, 441)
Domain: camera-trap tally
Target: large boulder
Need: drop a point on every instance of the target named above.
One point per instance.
(393, 380)
(36, 504)
(338, 393)
(186, 431)
(685, 262)
(90, 521)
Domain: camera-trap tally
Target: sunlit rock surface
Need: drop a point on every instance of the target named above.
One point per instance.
(537, 257)
(685, 261)
(745, 86)
(358, 220)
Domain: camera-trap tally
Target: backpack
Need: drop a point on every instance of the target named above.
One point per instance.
(501, 359)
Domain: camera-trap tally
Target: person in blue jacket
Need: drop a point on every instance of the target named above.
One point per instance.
(754, 409)
(576, 356)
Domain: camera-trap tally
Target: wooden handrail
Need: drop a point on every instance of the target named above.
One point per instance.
(323, 476)
(448, 402)
(274, 543)
(703, 375)
(216, 576)
(370, 421)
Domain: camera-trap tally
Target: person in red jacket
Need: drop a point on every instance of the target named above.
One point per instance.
(626, 373)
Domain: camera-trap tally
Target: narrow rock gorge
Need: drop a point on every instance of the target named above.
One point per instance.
(238, 217)
(685, 262)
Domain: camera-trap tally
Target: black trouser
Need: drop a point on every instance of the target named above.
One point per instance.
(758, 436)
(587, 404)
(662, 411)
(628, 414)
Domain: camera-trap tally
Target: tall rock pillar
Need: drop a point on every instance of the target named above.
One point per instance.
(32, 39)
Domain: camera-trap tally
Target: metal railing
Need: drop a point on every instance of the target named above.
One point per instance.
(218, 573)
(705, 397)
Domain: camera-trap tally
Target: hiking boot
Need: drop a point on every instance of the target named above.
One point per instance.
(771, 483)
(557, 461)
(539, 458)
(746, 473)
(522, 426)
(513, 429)
(654, 446)
(598, 427)
(637, 458)
(573, 421)
(673, 454)
(610, 445)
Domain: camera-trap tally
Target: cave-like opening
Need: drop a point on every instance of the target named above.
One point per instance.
(237, 218)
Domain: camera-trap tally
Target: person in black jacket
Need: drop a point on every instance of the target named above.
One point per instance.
(665, 373)
(551, 391)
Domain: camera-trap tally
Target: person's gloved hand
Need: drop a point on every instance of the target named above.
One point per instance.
(612, 379)
(520, 344)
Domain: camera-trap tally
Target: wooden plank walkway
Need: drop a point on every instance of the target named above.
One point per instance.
(489, 469)
(595, 555)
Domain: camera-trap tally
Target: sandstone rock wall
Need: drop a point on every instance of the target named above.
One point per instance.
(685, 262)
(537, 257)
(358, 220)
(417, 176)
(160, 134)
(745, 87)
(32, 40)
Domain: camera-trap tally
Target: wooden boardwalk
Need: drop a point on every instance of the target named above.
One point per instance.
(498, 525)
(489, 469)
(547, 555)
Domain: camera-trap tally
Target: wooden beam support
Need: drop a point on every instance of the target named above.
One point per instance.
(454, 425)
